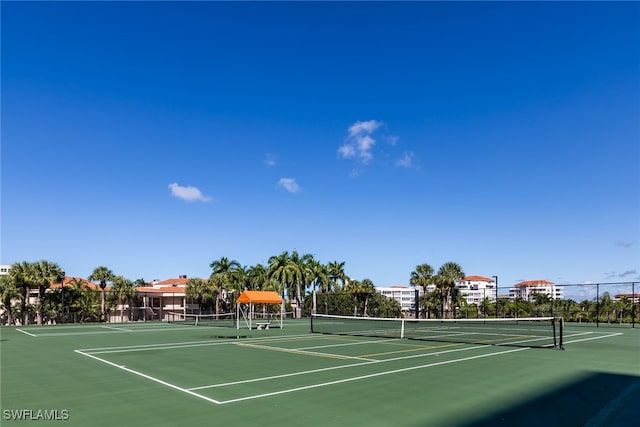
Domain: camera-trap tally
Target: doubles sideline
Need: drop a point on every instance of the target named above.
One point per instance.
(91, 353)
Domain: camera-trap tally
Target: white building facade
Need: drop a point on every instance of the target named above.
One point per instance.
(475, 289)
(405, 295)
(528, 288)
(4, 269)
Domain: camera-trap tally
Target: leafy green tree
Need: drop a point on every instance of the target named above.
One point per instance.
(88, 305)
(201, 292)
(301, 272)
(123, 291)
(222, 277)
(8, 294)
(386, 307)
(447, 275)
(430, 304)
(284, 270)
(367, 290)
(337, 276)
(485, 307)
(353, 288)
(102, 275)
(43, 274)
(140, 282)
(256, 277)
(606, 306)
(23, 276)
(318, 277)
(541, 302)
(72, 293)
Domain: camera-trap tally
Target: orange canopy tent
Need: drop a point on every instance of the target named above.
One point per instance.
(259, 297)
(246, 304)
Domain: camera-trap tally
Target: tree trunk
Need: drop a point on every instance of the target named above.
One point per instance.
(39, 307)
(25, 301)
(103, 315)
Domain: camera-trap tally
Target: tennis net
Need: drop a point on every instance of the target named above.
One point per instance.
(524, 332)
(222, 319)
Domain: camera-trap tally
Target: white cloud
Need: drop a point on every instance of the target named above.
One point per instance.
(406, 161)
(270, 160)
(289, 184)
(359, 141)
(359, 128)
(188, 193)
(392, 140)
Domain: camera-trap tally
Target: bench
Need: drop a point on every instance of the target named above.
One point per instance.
(263, 325)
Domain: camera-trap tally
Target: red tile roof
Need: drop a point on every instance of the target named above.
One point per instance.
(478, 279)
(68, 284)
(527, 283)
(176, 281)
(161, 290)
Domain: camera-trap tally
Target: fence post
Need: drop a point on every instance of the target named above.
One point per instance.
(597, 305)
(633, 304)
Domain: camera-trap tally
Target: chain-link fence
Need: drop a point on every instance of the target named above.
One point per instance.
(602, 304)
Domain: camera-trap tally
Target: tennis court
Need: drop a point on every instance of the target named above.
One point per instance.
(138, 374)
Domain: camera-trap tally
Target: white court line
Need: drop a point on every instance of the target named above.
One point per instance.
(353, 343)
(333, 368)
(593, 338)
(25, 332)
(149, 377)
(190, 391)
(69, 334)
(303, 352)
(363, 377)
(179, 345)
(116, 328)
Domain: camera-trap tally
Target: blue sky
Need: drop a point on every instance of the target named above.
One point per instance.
(154, 138)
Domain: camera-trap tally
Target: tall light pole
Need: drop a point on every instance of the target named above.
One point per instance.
(496, 277)
(62, 294)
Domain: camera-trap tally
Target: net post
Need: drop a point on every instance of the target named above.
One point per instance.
(553, 327)
(562, 333)
(402, 329)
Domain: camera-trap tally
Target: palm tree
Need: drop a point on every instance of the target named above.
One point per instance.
(8, 293)
(319, 278)
(256, 277)
(285, 272)
(447, 275)
(367, 289)
(44, 274)
(282, 270)
(222, 277)
(239, 281)
(302, 277)
(102, 275)
(200, 291)
(430, 303)
(23, 277)
(140, 282)
(422, 276)
(540, 301)
(337, 276)
(123, 290)
(352, 287)
(606, 305)
(87, 305)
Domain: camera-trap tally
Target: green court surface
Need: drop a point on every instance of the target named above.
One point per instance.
(159, 374)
